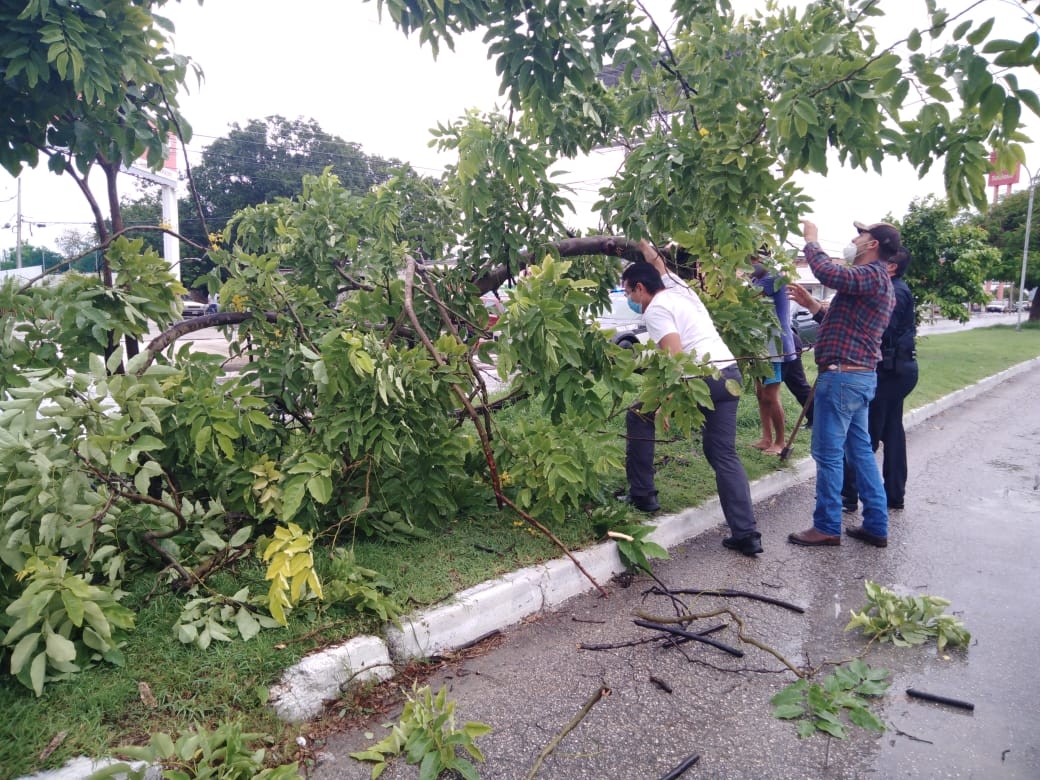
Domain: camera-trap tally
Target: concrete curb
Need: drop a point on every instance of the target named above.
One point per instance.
(505, 601)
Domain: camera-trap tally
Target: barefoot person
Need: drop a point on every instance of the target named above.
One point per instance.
(781, 349)
(847, 352)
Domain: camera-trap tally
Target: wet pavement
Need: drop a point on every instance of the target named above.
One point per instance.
(970, 533)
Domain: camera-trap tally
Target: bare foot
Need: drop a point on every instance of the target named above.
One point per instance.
(776, 449)
(761, 445)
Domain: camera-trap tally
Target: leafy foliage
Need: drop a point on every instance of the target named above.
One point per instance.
(263, 161)
(427, 736)
(1005, 226)
(634, 548)
(290, 568)
(86, 80)
(820, 706)
(950, 258)
(907, 620)
(225, 753)
(362, 588)
(218, 618)
(62, 624)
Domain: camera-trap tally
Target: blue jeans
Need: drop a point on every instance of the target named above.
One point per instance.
(840, 431)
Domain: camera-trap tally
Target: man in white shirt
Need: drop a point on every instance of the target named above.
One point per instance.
(677, 321)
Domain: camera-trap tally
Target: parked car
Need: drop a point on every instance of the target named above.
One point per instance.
(806, 327)
(627, 327)
(191, 307)
(997, 306)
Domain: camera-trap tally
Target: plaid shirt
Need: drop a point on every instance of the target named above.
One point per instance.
(850, 333)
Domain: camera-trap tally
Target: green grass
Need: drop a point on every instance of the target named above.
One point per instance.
(104, 707)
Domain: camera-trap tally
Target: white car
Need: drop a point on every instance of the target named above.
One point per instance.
(192, 308)
(998, 306)
(628, 327)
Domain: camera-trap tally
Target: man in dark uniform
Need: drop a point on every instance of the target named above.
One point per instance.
(896, 378)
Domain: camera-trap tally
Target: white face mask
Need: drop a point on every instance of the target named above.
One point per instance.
(850, 252)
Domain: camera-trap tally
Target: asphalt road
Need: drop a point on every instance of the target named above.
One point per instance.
(970, 533)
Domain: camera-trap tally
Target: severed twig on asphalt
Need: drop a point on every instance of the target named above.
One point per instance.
(964, 705)
(681, 769)
(672, 641)
(664, 686)
(547, 751)
(733, 593)
(690, 635)
(740, 632)
(911, 737)
(664, 590)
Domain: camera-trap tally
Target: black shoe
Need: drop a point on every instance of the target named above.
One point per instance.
(750, 545)
(857, 532)
(642, 503)
(895, 504)
(849, 506)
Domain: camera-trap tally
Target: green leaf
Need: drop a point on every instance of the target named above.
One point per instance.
(59, 648)
(888, 80)
(788, 711)
(248, 626)
(864, 718)
(38, 673)
(320, 488)
(292, 497)
(830, 727)
(23, 650)
(241, 536)
(980, 34)
(73, 607)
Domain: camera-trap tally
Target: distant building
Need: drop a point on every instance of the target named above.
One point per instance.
(998, 290)
(804, 277)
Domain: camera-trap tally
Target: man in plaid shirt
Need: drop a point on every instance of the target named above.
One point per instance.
(848, 348)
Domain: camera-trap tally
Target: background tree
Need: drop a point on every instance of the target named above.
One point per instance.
(1005, 225)
(80, 244)
(93, 85)
(951, 258)
(145, 210)
(32, 256)
(266, 159)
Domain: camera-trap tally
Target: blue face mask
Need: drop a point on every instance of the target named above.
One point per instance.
(636, 307)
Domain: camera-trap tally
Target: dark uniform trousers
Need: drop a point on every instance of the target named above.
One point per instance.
(718, 439)
(885, 423)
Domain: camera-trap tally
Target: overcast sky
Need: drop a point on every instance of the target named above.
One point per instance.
(334, 62)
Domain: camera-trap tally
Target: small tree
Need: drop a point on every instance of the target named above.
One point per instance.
(951, 258)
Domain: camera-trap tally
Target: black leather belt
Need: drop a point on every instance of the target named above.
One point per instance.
(842, 367)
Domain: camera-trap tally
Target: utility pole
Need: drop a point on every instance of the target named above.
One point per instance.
(18, 229)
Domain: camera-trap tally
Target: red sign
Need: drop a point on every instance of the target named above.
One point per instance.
(1002, 178)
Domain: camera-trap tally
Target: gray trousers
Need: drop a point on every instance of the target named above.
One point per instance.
(719, 443)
